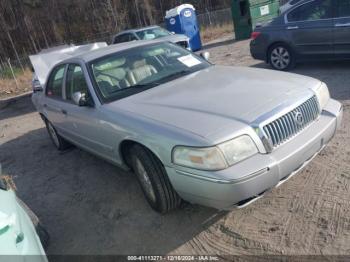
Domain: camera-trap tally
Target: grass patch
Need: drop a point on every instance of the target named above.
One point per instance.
(8, 85)
(211, 33)
(6, 72)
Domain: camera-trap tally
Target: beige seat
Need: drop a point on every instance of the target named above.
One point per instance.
(111, 80)
(140, 70)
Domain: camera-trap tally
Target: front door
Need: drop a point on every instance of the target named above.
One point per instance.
(84, 123)
(310, 29)
(342, 29)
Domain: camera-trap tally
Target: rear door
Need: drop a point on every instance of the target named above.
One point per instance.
(53, 100)
(310, 29)
(342, 29)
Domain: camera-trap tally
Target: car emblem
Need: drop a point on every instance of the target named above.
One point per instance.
(299, 118)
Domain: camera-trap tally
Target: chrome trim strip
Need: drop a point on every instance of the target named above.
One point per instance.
(249, 202)
(223, 181)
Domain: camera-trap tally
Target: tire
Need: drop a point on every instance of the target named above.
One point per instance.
(59, 142)
(153, 180)
(281, 57)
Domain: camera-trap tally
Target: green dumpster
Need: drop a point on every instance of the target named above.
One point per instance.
(247, 14)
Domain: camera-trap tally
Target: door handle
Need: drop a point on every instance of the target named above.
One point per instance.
(342, 25)
(292, 27)
(64, 112)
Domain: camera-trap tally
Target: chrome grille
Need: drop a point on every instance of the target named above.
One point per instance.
(287, 126)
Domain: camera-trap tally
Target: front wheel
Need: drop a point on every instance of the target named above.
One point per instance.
(154, 181)
(281, 57)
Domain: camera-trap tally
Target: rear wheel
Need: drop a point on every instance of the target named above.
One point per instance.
(281, 57)
(154, 181)
(59, 142)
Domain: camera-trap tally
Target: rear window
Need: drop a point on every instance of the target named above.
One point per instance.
(316, 10)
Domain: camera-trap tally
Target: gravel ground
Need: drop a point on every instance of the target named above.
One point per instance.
(92, 207)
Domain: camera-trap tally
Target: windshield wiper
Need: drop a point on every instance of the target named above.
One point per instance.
(174, 75)
(138, 86)
(156, 83)
(149, 85)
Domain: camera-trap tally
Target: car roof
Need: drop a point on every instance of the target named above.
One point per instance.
(104, 51)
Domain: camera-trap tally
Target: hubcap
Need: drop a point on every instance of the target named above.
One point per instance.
(145, 180)
(53, 135)
(280, 58)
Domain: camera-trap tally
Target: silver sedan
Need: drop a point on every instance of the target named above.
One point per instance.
(213, 135)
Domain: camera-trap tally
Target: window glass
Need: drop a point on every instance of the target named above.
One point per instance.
(122, 38)
(132, 37)
(343, 8)
(75, 82)
(316, 10)
(54, 87)
(152, 33)
(128, 72)
(293, 2)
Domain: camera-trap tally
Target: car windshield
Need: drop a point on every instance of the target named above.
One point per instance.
(137, 69)
(152, 33)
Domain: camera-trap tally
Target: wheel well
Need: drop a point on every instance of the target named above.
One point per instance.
(124, 150)
(272, 45)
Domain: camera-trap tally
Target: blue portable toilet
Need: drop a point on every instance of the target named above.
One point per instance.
(183, 20)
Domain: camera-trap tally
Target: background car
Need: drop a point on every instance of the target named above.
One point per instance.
(150, 33)
(21, 232)
(312, 30)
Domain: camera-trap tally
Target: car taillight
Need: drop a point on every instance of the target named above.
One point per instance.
(255, 35)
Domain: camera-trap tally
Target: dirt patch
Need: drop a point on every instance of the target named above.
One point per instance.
(92, 207)
(9, 87)
(212, 33)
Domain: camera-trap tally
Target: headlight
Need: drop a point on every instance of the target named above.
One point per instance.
(238, 149)
(215, 158)
(199, 158)
(322, 95)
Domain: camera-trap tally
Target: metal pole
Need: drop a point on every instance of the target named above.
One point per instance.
(13, 73)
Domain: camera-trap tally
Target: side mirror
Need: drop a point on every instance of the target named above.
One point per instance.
(205, 55)
(80, 99)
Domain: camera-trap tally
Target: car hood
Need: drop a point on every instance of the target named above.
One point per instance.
(175, 38)
(218, 98)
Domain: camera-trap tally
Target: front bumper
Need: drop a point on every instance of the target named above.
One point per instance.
(261, 172)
